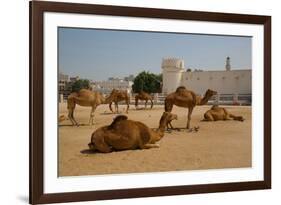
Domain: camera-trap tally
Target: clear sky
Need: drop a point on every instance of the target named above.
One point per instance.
(99, 54)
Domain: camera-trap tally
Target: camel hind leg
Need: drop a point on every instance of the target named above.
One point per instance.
(151, 106)
(145, 104)
(127, 102)
(71, 107)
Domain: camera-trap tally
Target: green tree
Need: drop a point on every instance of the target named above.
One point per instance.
(79, 84)
(148, 82)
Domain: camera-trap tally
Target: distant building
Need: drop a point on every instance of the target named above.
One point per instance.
(238, 81)
(63, 80)
(112, 83)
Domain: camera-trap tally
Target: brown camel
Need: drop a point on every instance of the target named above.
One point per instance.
(124, 134)
(143, 96)
(117, 96)
(85, 98)
(186, 98)
(219, 113)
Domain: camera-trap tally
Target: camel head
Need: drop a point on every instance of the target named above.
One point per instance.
(91, 146)
(209, 93)
(166, 118)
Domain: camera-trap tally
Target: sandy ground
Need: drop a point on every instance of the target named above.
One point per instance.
(221, 144)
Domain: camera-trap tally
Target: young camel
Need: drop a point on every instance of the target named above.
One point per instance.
(117, 96)
(124, 134)
(85, 98)
(143, 96)
(219, 113)
(186, 98)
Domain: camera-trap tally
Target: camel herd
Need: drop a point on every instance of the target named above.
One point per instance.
(123, 133)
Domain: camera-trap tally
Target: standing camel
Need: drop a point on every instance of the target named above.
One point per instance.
(124, 134)
(188, 99)
(85, 98)
(143, 96)
(117, 96)
(219, 113)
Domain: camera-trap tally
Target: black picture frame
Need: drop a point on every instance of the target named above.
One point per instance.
(37, 9)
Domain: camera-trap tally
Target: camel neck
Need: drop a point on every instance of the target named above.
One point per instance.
(204, 100)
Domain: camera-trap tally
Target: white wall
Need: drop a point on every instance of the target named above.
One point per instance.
(224, 82)
(14, 102)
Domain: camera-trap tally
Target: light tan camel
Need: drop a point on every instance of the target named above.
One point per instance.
(186, 98)
(143, 96)
(85, 98)
(219, 113)
(124, 134)
(117, 96)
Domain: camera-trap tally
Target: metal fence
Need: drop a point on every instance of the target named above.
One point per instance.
(221, 99)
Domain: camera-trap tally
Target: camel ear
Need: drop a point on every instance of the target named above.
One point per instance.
(117, 119)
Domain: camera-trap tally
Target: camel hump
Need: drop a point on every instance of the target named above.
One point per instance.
(117, 119)
(214, 107)
(180, 88)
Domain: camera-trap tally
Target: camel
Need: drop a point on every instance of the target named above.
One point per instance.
(143, 96)
(117, 96)
(124, 134)
(85, 98)
(188, 99)
(219, 113)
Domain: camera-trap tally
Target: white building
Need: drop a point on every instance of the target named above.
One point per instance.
(226, 81)
(112, 83)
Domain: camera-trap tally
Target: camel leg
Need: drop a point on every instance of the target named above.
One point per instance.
(238, 118)
(116, 107)
(148, 146)
(127, 101)
(136, 102)
(189, 117)
(145, 104)
(110, 107)
(208, 117)
(101, 146)
(71, 117)
(151, 104)
(169, 123)
(91, 120)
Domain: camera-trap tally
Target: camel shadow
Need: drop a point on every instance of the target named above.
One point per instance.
(87, 151)
(108, 113)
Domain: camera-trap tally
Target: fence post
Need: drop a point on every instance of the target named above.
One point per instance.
(61, 98)
(156, 98)
(217, 99)
(235, 99)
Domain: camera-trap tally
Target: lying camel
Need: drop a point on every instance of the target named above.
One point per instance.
(143, 96)
(219, 113)
(124, 134)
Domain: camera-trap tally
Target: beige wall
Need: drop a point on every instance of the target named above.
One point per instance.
(224, 82)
